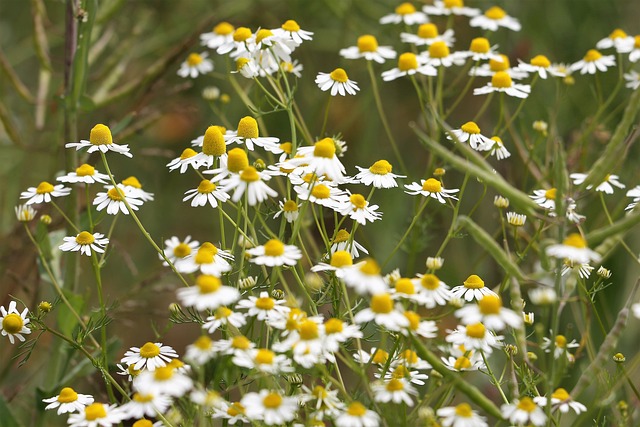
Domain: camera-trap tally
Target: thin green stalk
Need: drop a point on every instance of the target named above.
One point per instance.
(326, 116)
(61, 212)
(425, 201)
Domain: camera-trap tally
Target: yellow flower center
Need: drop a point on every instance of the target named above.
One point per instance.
(341, 259)
(263, 34)
(203, 343)
(474, 282)
(477, 330)
(560, 394)
(400, 372)
(407, 61)
(132, 371)
(164, 373)
(181, 250)
(291, 26)
(339, 75)
(413, 318)
(439, 50)
(308, 330)
(248, 127)
(207, 283)
(213, 143)
(333, 326)
(561, 341)
(490, 304)
(100, 135)
(237, 160)
(405, 286)
(249, 174)
(142, 398)
(321, 191)
(265, 303)
(274, 247)
(241, 34)
(325, 148)
(94, 411)
(501, 79)
(380, 357)
(356, 409)
(405, 9)
(592, 55)
(342, 236)
(427, 31)
(499, 64)
(290, 206)
(370, 267)
(264, 356)
(113, 194)
(480, 45)
(223, 313)
(203, 256)
(462, 362)
(575, 240)
(540, 61)
(84, 238)
(617, 34)
(286, 147)
(637, 42)
(142, 423)
(449, 4)
(272, 401)
(208, 246)
(241, 342)
(223, 28)
(550, 194)
(367, 43)
(358, 201)
(432, 186)
(241, 62)
(67, 395)
(496, 13)
(430, 282)
(187, 153)
(194, 59)
(394, 385)
(471, 128)
(149, 350)
(320, 392)
(381, 303)
(464, 410)
(409, 356)
(527, 405)
(44, 187)
(235, 409)
(381, 167)
(85, 170)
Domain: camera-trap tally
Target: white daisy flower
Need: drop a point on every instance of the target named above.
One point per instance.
(431, 188)
(545, 198)
(264, 307)
(575, 249)
(618, 39)
(562, 346)
(24, 213)
(338, 82)
(247, 67)
(13, 324)
(85, 174)
(251, 182)
(428, 34)
(402, 371)
(146, 405)
(494, 18)
(224, 316)
(249, 135)
(408, 65)
(326, 400)
(270, 407)
(150, 356)
(186, 159)
(294, 68)
(450, 7)
(605, 186)
(271, 48)
(114, 202)
(562, 401)
(383, 313)
(176, 249)
(237, 344)
(233, 412)
(68, 401)
(207, 192)
(208, 259)
(516, 219)
(460, 415)
(405, 13)
(360, 210)
(328, 196)
(472, 133)
(320, 159)
(97, 415)
(471, 362)
(368, 49)
(497, 148)
(634, 50)
(84, 242)
(378, 175)
(524, 412)
(498, 62)
(292, 30)
(343, 242)
(481, 50)
(632, 78)
(289, 209)
(275, 253)
(542, 296)
(364, 277)
(490, 312)
(540, 64)
(44, 193)
(208, 294)
(431, 290)
(201, 351)
(375, 355)
(337, 332)
(584, 270)
(394, 390)
(307, 343)
(195, 64)
(100, 139)
(472, 288)
(357, 415)
(419, 327)
(222, 34)
(475, 337)
(134, 187)
(593, 61)
(263, 360)
(501, 82)
(340, 260)
(165, 380)
(439, 55)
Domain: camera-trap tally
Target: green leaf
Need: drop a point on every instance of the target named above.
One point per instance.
(6, 417)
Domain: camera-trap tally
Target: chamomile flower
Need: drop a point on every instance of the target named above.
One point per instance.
(97, 415)
(264, 307)
(338, 82)
(592, 62)
(340, 260)
(289, 209)
(405, 13)
(337, 332)
(431, 290)
(324, 195)
(516, 219)
(490, 312)
(562, 346)
(344, 242)
(150, 356)
(247, 67)
(481, 50)
(224, 316)
(13, 324)
(263, 360)
(195, 64)
(545, 198)
(543, 296)
(237, 344)
(292, 30)
(475, 337)
(540, 64)
(176, 249)
(275, 253)
(460, 415)
(376, 355)
(431, 188)
(208, 294)
(209, 259)
(68, 401)
(497, 148)
(270, 407)
(575, 249)
(427, 34)
(419, 327)
(324, 401)
(378, 175)
(320, 159)
(584, 270)
(249, 135)
(472, 133)
(222, 34)
(632, 78)
(472, 288)
(562, 401)
(618, 39)
(251, 182)
(498, 62)
(147, 404)
(605, 186)
(364, 277)
(134, 187)
(207, 192)
(165, 380)
(357, 415)
(434, 263)
(86, 174)
(368, 49)
(634, 50)
(231, 163)
(85, 242)
(408, 65)
(44, 193)
(201, 351)
(471, 362)
(113, 200)
(524, 412)
(394, 390)
(383, 313)
(494, 18)
(24, 213)
(360, 210)
(294, 68)
(100, 139)
(232, 412)
(501, 82)
(439, 55)
(450, 7)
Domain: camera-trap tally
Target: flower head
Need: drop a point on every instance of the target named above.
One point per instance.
(574, 248)
(13, 324)
(85, 242)
(275, 253)
(44, 193)
(68, 401)
(195, 64)
(501, 81)
(405, 13)
(100, 139)
(494, 18)
(592, 62)
(150, 356)
(431, 188)
(338, 82)
(367, 48)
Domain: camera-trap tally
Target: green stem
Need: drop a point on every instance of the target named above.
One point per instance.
(413, 222)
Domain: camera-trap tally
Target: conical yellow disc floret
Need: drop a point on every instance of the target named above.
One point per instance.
(464, 410)
(496, 13)
(207, 283)
(85, 238)
(274, 248)
(501, 79)
(405, 286)
(341, 259)
(367, 43)
(194, 59)
(249, 174)
(291, 26)
(67, 395)
(499, 64)
(575, 240)
(326, 148)
(490, 304)
(320, 191)
(100, 135)
(206, 187)
(439, 49)
(149, 350)
(132, 181)
(85, 170)
(223, 28)
(592, 55)
(381, 167)
(405, 9)
(213, 143)
(248, 127)
(12, 323)
(474, 282)
(242, 34)
(477, 330)
(263, 34)
(237, 160)
(471, 128)
(381, 303)
(432, 186)
(339, 75)
(427, 31)
(407, 61)
(94, 412)
(479, 45)
(44, 187)
(541, 61)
